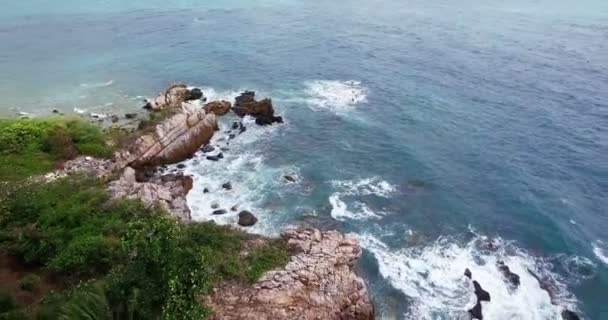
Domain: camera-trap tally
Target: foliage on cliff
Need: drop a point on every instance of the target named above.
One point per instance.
(89, 258)
(34, 146)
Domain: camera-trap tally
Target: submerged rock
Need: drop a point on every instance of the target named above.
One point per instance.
(476, 312)
(569, 315)
(219, 212)
(290, 178)
(131, 115)
(467, 273)
(208, 148)
(213, 158)
(480, 293)
(511, 277)
(227, 186)
(319, 282)
(247, 219)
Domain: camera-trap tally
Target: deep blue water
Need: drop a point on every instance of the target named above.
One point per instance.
(428, 128)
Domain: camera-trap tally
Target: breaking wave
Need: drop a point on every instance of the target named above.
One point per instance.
(600, 251)
(358, 190)
(432, 277)
(97, 85)
(335, 96)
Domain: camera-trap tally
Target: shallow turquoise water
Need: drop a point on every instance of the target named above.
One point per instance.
(428, 128)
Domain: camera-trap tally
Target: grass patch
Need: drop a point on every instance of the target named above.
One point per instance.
(120, 260)
(34, 146)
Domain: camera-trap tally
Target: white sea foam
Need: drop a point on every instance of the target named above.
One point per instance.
(243, 166)
(211, 94)
(335, 96)
(365, 187)
(432, 277)
(357, 209)
(79, 111)
(599, 249)
(97, 85)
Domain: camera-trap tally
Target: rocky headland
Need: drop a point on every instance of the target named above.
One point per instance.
(320, 279)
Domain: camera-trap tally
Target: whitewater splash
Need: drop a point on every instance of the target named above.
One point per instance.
(338, 97)
(243, 165)
(97, 85)
(432, 277)
(600, 251)
(357, 209)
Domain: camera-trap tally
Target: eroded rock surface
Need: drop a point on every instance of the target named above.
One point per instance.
(173, 140)
(169, 192)
(218, 108)
(319, 282)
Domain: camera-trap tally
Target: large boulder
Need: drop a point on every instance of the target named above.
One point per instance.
(219, 108)
(247, 219)
(262, 111)
(173, 97)
(319, 282)
(173, 140)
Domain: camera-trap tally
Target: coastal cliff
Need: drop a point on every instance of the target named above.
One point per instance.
(316, 280)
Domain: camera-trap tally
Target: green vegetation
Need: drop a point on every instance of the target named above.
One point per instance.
(155, 118)
(116, 260)
(30, 282)
(34, 146)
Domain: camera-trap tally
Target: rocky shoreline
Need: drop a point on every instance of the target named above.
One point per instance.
(319, 282)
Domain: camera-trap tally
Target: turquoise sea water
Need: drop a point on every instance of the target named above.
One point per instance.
(427, 128)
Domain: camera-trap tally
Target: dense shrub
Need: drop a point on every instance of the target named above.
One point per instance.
(145, 265)
(29, 282)
(32, 146)
(7, 301)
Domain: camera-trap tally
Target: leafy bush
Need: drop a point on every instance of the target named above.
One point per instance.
(86, 302)
(65, 225)
(264, 259)
(7, 301)
(29, 282)
(32, 146)
(147, 264)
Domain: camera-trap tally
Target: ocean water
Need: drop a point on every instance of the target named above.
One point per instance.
(445, 135)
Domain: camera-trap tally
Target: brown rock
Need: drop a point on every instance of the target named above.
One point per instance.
(318, 283)
(219, 108)
(173, 97)
(187, 183)
(245, 104)
(173, 140)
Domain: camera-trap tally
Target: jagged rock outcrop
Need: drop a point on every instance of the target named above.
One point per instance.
(219, 108)
(173, 140)
(173, 97)
(319, 282)
(262, 111)
(168, 192)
